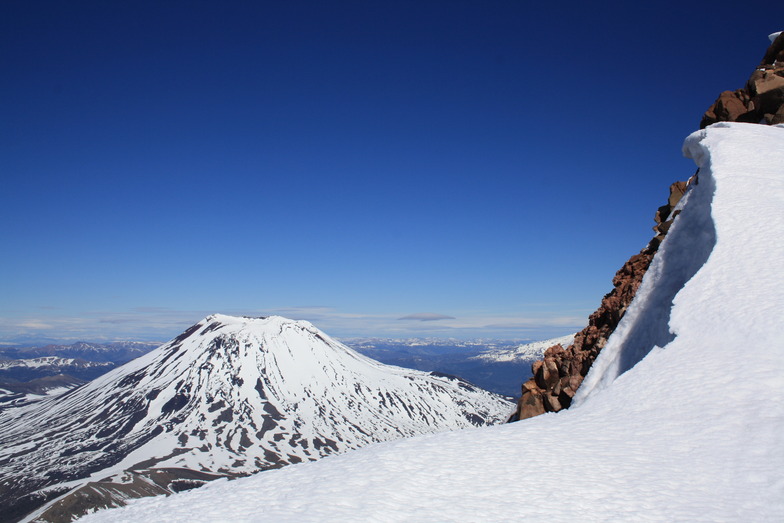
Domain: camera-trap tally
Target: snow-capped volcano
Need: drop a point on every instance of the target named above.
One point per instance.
(232, 396)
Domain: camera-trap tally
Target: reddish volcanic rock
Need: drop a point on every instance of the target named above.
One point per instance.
(761, 100)
(557, 376)
(776, 118)
(731, 106)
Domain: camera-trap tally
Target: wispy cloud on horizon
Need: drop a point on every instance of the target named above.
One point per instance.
(146, 323)
(427, 316)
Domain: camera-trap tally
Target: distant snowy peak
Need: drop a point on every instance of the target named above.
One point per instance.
(232, 396)
(527, 352)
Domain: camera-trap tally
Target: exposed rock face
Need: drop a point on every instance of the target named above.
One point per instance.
(761, 100)
(562, 370)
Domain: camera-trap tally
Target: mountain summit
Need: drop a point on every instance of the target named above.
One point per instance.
(228, 396)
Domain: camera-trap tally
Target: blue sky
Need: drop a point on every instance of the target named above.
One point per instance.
(350, 163)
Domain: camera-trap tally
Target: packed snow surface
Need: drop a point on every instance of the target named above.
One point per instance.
(692, 431)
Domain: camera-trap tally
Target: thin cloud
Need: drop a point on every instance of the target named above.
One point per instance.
(427, 316)
(527, 323)
(162, 323)
(36, 324)
(151, 309)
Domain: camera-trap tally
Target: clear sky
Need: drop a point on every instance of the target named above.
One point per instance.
(491, 164)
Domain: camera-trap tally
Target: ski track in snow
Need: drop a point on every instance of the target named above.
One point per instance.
(693, 432)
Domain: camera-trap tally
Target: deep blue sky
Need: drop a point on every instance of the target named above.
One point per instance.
(350, 163)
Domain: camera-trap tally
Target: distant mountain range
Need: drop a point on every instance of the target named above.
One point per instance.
(526, 352)
(495, 365)
(227, 397)
(116, 352)
(28, 374)
(32, 368)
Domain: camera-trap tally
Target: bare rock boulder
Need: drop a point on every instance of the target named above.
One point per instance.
(760, 100)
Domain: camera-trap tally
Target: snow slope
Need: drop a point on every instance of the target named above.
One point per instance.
(693, 431)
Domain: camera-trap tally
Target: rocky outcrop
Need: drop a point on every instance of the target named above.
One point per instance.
(556, 377)
(762, 98)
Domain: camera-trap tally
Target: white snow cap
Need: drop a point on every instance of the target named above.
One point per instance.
(773, 36)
